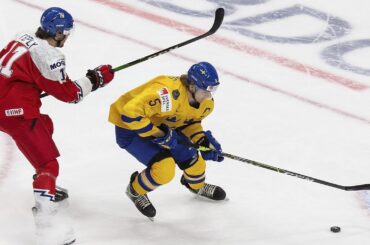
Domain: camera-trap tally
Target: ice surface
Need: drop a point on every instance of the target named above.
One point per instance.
(265, 111)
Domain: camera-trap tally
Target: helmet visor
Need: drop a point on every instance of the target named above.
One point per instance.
(207, 93)
(212, 89)
(68, 31)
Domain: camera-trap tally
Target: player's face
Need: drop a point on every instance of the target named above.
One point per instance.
(201, 94)
(63, 41)
(62, 37)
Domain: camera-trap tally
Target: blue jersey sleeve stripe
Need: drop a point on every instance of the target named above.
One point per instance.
(130, 119)
(145, 129)
(195, 134)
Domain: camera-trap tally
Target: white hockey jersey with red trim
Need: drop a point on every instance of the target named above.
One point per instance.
(29, 66)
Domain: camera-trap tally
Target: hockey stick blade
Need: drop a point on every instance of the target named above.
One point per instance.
(283, 171)
(357, 187)
(219, 17)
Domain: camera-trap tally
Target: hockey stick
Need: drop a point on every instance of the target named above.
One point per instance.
(284, 171)
(219, 16)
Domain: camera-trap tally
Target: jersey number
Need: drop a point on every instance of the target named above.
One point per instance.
(12, 55)
(63, 74)
(154, 102)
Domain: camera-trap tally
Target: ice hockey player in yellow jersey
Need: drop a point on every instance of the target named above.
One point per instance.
(153, 121)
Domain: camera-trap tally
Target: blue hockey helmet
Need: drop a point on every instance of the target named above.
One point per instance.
(204, 76)
(56, 19)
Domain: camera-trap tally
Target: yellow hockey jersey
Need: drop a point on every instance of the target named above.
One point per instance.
(162, 100)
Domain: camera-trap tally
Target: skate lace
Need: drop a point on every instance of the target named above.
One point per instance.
(142, 201)
(207, 190)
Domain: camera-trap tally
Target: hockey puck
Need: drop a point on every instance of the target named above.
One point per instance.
(335, 229)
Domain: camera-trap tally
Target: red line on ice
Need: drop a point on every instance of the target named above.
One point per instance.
(306, 69)
(260, 84)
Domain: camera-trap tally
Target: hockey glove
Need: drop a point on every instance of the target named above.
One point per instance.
(100, 76)
(209, 141)
(168, 141)
(184, 155)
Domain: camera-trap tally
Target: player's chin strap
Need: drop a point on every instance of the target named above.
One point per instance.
(283, 171)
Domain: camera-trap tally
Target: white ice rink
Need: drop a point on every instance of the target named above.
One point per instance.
(280, 103)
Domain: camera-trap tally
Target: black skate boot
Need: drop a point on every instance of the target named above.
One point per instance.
(60, 193)
(141, 202)
(209, 191)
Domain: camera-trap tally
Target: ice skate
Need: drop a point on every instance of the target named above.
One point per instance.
(209, 191)
(51, 220)
(141, 202)
(61, 194)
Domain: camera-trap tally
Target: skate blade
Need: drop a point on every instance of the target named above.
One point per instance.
(71, 242)
(197, 196)
(34, 211)
(151, 219)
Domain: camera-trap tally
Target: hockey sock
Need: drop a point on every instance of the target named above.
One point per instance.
(158, 174)
(44, 182)
(195, 182)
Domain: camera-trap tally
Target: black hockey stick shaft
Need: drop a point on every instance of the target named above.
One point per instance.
(219, 17)
(284, 171)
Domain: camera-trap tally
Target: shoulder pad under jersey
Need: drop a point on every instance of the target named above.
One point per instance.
(48, 59)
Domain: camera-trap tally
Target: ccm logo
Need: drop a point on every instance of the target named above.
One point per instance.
(57, 64)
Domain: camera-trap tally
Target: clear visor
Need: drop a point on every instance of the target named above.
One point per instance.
(206, 93)
(212, 89)
(68, 32)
